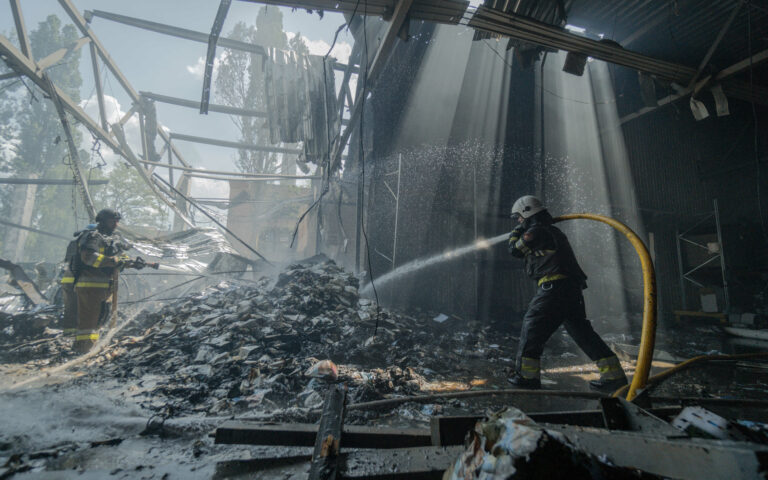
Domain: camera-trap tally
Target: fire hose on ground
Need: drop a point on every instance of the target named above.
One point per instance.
(648, 335)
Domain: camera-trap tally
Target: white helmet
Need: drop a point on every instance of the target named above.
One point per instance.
(527, 206)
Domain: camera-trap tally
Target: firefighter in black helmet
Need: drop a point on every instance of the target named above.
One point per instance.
(95, 266)
(550, 261)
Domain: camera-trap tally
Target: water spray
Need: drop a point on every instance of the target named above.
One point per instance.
(648, 336)
(418, 264)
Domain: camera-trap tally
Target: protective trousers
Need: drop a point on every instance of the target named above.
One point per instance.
(561, 303)
(91, 297)
(68, 296)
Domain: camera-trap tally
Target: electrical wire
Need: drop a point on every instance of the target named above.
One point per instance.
(362, 163)
(327, 176)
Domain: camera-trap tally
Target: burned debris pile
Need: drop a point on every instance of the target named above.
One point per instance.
(32, 334)
(243, 345)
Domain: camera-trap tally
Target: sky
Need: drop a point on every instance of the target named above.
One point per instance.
(172, 66)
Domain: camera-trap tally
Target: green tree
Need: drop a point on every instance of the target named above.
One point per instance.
(247, 90)
(39, 149)
(127, 193)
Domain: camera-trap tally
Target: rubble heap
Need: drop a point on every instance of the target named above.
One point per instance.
(244, 345)
(31, 335)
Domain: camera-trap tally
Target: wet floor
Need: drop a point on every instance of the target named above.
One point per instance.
(63, 416)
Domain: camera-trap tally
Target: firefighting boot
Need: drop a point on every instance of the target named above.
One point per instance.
(85, 340)
(528, 375)
(612, 376)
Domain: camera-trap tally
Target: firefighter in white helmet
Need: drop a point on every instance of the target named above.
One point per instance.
(550, 261)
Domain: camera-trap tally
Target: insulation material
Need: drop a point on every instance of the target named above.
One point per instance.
(188, 251)
(721, 101)
(699, 109)
(301, 103)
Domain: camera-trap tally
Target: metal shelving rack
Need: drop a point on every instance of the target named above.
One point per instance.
(684, 237)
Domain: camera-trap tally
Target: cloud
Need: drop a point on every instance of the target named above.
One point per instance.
(341, 51)
(114, 112)
(198, 69)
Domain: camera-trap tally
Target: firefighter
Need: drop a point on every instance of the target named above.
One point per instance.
(69, 319)
(95, 267)
(550, 261)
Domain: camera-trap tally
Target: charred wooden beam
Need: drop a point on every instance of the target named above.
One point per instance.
(30, 289)
(304, 435)
(328, 440)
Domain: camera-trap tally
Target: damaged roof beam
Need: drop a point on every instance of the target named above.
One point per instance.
(722, 74)
(184, 33)
(213, 38)
(23, 65)
(375, 66)
(131, 157)
(181, 102)
(82, 25)
(715, 44)
(21, 29)
(234, 174)
(238, 145)
(522, 28)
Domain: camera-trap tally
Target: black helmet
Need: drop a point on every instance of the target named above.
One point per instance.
(107, 214)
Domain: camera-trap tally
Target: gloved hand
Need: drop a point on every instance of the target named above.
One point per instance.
(517, 232)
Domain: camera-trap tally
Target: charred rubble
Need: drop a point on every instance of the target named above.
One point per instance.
(242, 345)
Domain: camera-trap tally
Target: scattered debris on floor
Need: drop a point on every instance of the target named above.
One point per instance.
(269, 349)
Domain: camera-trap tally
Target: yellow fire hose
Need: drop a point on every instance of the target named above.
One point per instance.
(690, 362)
(648, 336)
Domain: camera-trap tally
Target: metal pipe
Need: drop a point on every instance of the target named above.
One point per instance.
(648, 336)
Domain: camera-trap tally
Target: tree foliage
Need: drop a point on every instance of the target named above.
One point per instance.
(35, 144)
(240, 83)
(127, 193)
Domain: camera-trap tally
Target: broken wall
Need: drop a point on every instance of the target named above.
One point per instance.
(264, 215)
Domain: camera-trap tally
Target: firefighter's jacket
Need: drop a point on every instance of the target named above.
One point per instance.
(547, 252)
(98, 255)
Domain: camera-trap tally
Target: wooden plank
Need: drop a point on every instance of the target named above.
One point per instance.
(303, 435)
(401, 464)
(328, 440)
(425, 463)
(694, 459)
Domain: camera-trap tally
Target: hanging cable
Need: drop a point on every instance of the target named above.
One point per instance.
(362, 160)
(325, 182)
